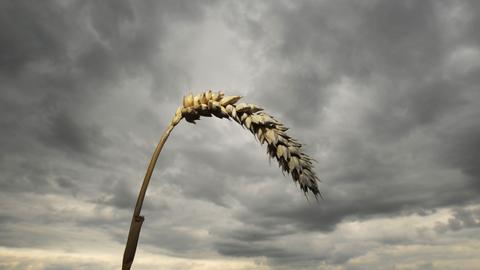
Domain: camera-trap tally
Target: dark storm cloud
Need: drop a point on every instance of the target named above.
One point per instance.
(253, 234)
(60, 62)
(397, 51)
(285, 255)
(319, 43)
(66, 134)
(471, 35)
(57, 62)
(383, 94)
(463, 139)
(29, 39)
(400, 46)
(55, 67)
(246, 250)
(415, 104)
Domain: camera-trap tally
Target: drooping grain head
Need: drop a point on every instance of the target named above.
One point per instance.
(280, 146)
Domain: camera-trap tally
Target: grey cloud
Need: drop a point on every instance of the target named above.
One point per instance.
(250, 250)
(370, 87)
(463, 139)
(401, 67)
(462, 219)
(61, 66)
(58, 63)
(121, 195)
(248, 232)
(34, 40)
(175, 241)
(376, 38)
(293, 253)
(412, 106)
(471, 35)
(68, 135)
(66, 183)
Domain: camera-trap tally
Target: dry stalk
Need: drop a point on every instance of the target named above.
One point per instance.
(280, 146)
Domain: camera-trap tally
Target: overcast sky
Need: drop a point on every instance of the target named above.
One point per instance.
(384, 94)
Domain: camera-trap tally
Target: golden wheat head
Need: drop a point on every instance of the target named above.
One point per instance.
(280, 146)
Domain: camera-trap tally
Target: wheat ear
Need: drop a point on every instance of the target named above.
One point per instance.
(280, 146)
(286, 150)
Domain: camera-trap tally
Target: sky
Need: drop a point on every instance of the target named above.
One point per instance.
(383, 94)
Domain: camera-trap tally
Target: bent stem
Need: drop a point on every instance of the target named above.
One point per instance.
(137, 220)
(280, 146)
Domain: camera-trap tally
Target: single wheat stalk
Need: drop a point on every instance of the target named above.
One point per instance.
(280, 146)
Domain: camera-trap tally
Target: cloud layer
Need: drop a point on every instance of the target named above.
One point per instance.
(384, 94)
